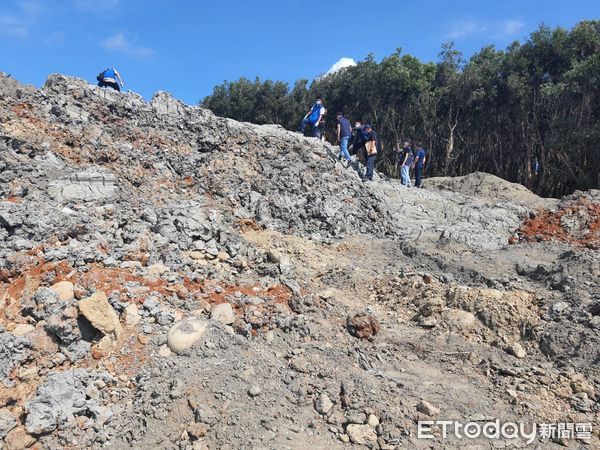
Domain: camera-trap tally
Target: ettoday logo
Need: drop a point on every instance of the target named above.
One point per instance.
(496, 429)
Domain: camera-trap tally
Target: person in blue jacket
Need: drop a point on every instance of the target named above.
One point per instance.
(110, 78)
(314, 117)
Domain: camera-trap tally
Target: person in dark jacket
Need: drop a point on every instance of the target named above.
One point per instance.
(373, 146)
(419, 164)
(344, 132)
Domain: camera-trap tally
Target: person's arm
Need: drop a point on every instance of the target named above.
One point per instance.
(339, 131)
(118, 75)
(415, 161)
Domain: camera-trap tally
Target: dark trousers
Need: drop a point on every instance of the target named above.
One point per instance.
(110, 84)
(418, 176)
(370, 161)
(316, 132)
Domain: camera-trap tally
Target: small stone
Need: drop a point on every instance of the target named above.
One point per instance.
(223, 256)
(427, 279)
(64, 289)
(458, 319)
(323, 404)
(197, 430)
(23, 329)
(164, 351)
(517, 350)
(18, 439)
(254, 391)
(197, 255)
(427, 408)
(363, 325)
(223, 313)
(143, 339)
(427, 322)
(361, 434)
(184, 334)
(101, 314)
(132, 315)
(580, 384)
(373, 420)
(344, 438)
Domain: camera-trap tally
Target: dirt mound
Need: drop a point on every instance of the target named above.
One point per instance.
(490, 187)
(172, 279)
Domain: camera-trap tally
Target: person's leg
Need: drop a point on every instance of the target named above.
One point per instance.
(418, 175)
(344, 147)
(404, 175)
(316, 132)
(303, 125)
(370, 167)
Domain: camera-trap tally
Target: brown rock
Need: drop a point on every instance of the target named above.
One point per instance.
(18, 439)
(363, 325)
(197, 430)
(101, 314)
(427, 408)
(361, 434)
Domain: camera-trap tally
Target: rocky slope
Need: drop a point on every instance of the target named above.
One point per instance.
(172, 279)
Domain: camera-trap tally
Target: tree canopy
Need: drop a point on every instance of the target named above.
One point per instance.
(529, 113)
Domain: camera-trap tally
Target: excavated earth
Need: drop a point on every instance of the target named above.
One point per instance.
(173, 279)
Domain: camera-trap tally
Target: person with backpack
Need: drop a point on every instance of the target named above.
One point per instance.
(314, 117)
(344, 132)
(405, 158)
(373, 146)
(419, 165)
(110, 78)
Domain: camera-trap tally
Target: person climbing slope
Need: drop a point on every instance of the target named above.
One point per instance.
(314, 117)
(110, 78)
(344, 132)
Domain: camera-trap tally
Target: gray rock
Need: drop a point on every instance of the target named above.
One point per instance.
(7, 422)
(89, 185)
(55, 403)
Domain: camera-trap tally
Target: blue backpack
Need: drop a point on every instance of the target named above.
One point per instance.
(108, 73)
(315, 114)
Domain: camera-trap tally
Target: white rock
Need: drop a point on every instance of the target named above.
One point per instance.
(164, 351)
(23, 329)
(132, 314)
(184, 334)
(223, 313)
(373, 420)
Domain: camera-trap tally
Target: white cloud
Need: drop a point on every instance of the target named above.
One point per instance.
(502, 29)
(511, 27)
(120, 42)
(464, 28)
(341, 64)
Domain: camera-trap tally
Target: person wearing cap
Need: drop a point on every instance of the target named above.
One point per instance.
(344, 132)
(405, 158)
(373, 146)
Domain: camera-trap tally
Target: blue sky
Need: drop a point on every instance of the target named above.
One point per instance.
(186, 47)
